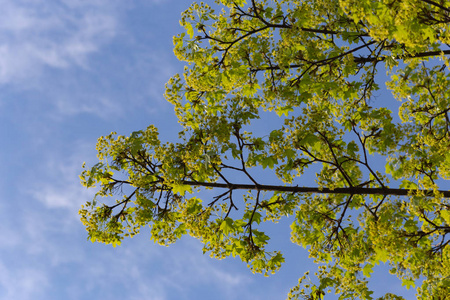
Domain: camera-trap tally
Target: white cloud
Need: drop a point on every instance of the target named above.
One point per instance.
(35, 34)
(59, 184)
(23, 283)
(147, 271)
(82, 57)
(9, 237)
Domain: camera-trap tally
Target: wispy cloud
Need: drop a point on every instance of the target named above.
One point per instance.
(147, 271)
(58, 186)
(81, 57)
(57, 34)
(114, 88)
(24, 283)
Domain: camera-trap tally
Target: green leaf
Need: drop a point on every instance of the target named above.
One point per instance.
(367, 270)
(189, 30)
(181, 189)
(381, 255)
(408, 283)
(268, 162)
(227, 226)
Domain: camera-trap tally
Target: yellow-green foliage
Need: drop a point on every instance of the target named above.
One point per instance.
(312, 64)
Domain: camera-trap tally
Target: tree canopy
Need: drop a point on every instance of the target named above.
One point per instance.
(316, 68)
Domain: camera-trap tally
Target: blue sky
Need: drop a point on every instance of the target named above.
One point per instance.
(70, 72)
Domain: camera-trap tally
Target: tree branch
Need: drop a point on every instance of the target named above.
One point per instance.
(316, 190)
(437, 4)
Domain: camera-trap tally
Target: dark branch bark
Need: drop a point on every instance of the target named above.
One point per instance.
(422, 54)
(316, 190)
(358, 60)
(437, 5)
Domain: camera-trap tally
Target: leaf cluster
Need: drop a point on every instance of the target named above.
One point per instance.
(381, 193)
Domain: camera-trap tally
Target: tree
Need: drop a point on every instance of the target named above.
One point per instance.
(313, 65)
